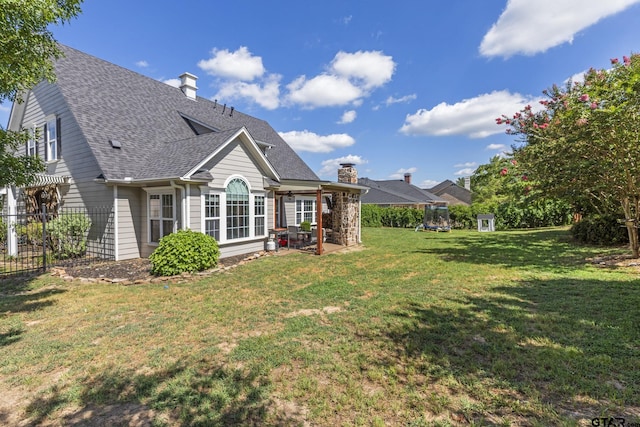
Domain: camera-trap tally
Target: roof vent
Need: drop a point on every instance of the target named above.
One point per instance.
(115, 144)
(188, 85)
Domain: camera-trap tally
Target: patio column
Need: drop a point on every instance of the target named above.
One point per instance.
(319, 221)
(12, 237)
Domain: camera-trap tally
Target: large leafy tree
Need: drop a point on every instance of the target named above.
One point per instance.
(584, 144)
(27, 52)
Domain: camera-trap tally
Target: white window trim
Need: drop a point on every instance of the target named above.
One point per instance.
(313, 212)
(47, 142)
(159, 191)
(32, 142)
(204, 191)
(264, 215)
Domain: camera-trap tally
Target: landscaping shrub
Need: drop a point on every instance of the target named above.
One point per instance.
(462, 217)
(3, 231)
(67, 234)
(600, 230)
(371, 216)
(184, 251)
(33, 233)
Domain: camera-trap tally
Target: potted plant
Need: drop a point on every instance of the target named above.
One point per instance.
(305, 226)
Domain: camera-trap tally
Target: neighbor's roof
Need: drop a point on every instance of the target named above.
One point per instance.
(453, 189)
(396, 192)
(150, 121)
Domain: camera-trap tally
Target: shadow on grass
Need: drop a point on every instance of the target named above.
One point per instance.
(546, 249)
(544, 350)
(183, 395)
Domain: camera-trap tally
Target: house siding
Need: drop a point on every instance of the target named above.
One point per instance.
(129, 222)
(76, 159)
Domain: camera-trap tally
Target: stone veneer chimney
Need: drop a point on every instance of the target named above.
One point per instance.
(407, 178)
(188, 85)
(345, 214)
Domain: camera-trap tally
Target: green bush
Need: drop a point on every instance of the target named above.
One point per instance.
(371, 216)
(67, 234)
(305, 226)
(600, 230)
(462, 217)
(32, 232)
(184, 251)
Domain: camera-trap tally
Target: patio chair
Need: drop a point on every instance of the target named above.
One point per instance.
(293, 239)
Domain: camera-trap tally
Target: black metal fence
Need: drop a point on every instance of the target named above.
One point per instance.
(71, 236)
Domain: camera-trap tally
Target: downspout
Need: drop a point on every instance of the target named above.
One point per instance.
(182, 202)
(187, 221)
(116, 251)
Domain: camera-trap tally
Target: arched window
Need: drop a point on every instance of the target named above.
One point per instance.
(238, 212)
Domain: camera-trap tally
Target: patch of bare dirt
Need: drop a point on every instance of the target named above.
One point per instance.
(618, 260)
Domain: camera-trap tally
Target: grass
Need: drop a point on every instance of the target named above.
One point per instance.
(416, 329)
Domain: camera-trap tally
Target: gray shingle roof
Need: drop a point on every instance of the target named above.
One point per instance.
(453, 189)
(395, 192)
(146, 117)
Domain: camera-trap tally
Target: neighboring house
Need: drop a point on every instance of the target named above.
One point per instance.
(161, 159)
(398, 193)
(452, 193)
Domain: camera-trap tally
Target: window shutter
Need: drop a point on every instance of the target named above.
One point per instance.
(46, 149)
(59, 137)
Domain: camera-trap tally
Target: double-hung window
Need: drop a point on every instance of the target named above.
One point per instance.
(161, 216)
(259, 218)
(212, 215)
(305, 210)
(32, 144)
(51, 139)
(238, 214)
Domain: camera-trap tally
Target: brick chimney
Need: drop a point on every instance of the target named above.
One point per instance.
(407, 178)
(188, 85)
(348, 174)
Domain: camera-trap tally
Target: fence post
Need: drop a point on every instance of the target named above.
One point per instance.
(44, 238)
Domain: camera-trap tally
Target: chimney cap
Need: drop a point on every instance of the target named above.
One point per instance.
(347, 165)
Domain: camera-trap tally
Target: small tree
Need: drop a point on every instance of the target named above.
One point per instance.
(583, 144)
(27, 49)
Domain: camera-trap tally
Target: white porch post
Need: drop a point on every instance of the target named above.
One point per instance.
(12, 237)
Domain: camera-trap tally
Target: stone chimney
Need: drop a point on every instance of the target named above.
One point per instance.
(188, 85)
(345, 214)
(348, 174)
(467, 182)
(407, 178)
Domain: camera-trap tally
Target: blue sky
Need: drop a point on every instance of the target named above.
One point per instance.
(413, 86)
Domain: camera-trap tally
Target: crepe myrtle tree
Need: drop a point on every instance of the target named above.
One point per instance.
(27, 52)
(584, 143)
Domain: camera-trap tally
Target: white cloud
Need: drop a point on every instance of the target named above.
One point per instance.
(309, 141)
(500, 147)
(349, 78)
(465, 172)
(402, 100)
(348, 117)
(238, 65)
(577, 77)
(399, 174)
(530, 27)
(465, 165)
(330, 167)
(428, 183)
(266, 95)
(373, 68)
(474, 117)
(142, 64)
(346, 20)
(173, 82)
(323, 91)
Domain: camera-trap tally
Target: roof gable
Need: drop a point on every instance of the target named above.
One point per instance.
(396, 192)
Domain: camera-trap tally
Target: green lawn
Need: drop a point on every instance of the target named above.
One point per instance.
(415, 329)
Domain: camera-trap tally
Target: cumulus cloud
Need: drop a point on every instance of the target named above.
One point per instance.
(173, 82)
(527, 27)
(500, 147)
(324, 90)
(309, 141)
(465, 172)
(330, 167)
(399, 174)
(349, 78)
(348, 117)
(267, 94)
(474, 117)
(142, 64)
(372, 69)
(238, 65)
